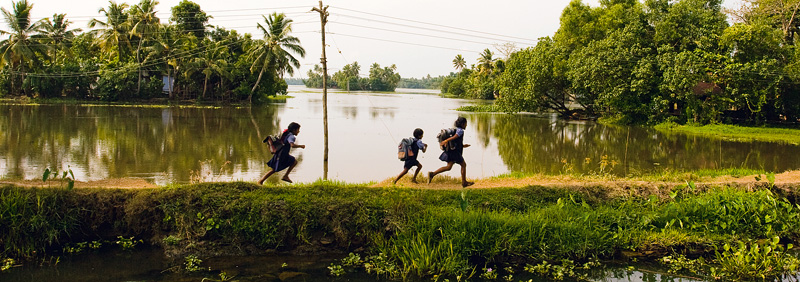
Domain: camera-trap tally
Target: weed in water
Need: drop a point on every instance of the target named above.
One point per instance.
(336, 270)
(127, 243)
(193, 264)
(6, 264)
(755, 261)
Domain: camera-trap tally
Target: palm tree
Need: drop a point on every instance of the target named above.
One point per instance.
(212, 62)
(145, 23)
(276, 49)
(486, 61)
(114, 33)
(459, 63)
(21, 47)
(57, 31)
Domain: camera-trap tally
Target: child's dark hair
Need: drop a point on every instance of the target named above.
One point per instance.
(461, 122)
(294, 126)
(418, 133)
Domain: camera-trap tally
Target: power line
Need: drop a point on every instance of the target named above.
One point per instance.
(411, 33)
(400, 42)
(433, 24)
(448, 32)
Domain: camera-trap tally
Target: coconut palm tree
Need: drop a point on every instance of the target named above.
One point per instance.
(57, 31)
(19, 50)
(276, 49)
(145, 23)
(459, 63)
(486, 62)
(114, 33)
(212, 62)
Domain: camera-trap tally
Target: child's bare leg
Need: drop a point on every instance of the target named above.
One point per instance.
(419, 167)
(405, 170)
(286, 176)
(464, 182)
(440, 170)
(261, 182)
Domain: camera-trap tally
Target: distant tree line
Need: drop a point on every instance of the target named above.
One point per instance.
(129, 50)
(427, 82)
(654, 61)
(348, 78)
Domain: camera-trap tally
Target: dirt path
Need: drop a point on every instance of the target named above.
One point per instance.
(449, 182)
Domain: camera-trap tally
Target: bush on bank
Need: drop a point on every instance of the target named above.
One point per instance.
(426, 232)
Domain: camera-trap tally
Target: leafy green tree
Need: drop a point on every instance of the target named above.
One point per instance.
(276, 50)
(114, 33)
(535, 80)
(21, 48)
(383, 79)
(348, 77)
(189, 18)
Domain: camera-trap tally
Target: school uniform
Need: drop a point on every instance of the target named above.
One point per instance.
(282, 160)
(455, 154)
(412, 161)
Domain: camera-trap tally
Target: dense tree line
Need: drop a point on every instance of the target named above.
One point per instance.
(129, 50)
(349, 78)
(427, 82)
(654, 61)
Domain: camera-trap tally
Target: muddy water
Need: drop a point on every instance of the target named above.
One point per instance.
(177, 145)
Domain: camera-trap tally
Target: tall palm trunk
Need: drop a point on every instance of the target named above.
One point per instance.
(250, 98)
(205, 86)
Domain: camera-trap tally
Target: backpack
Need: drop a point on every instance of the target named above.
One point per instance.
(404, 149)
(275, 142)
(444, 134)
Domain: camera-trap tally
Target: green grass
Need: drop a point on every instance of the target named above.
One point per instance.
(480, 109)
(425, 232)
(734, 132)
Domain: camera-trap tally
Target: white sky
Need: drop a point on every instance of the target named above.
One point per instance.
(416, 35)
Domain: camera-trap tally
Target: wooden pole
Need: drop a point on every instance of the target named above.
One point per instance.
(323, 16)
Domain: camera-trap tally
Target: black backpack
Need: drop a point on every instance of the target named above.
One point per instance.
(444, 134)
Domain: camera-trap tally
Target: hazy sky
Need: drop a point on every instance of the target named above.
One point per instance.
(420, 37)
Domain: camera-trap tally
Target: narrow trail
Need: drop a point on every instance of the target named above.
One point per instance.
(450, 182)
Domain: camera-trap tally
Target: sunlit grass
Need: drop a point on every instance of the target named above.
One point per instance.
(734, 132)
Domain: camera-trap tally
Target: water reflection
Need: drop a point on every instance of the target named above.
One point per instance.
(167, 145)
(532, 144)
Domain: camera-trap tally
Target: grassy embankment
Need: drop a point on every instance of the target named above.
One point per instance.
(733, 132)
(420, 232)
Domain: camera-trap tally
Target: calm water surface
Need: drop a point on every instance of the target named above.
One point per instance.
(178, 145)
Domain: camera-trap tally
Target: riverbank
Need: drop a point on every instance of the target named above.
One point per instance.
(421, 232)
(736, 133)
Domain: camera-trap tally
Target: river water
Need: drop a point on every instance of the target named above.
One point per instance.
(152, 266)
(182, 144)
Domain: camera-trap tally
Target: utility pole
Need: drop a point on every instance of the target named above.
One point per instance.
(323, 16)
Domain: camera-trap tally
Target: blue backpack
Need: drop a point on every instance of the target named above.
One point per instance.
(404, 149)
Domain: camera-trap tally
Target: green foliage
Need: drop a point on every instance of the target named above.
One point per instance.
(6, 264)
(127, 243)
(193, 264)
(743, 261)
(409, 232)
